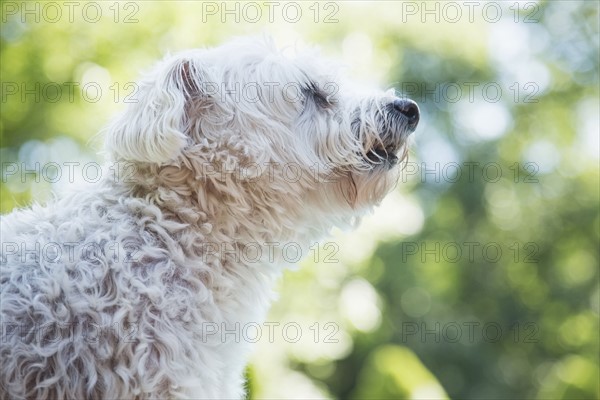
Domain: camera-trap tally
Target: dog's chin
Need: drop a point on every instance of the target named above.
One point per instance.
(369, 189)
(363, 189)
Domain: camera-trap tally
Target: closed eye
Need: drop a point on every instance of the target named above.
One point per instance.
(321, 99)
(319, 96)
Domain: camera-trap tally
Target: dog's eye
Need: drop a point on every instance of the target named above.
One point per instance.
(321, 98)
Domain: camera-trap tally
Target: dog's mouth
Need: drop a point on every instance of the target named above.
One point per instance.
(390, 147)
(386, 149)
(381, 154)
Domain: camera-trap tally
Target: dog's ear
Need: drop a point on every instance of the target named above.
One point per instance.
(153, 128)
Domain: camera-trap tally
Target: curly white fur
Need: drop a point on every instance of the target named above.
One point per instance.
(107, 292)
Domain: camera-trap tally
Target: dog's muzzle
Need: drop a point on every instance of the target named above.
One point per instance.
(401, 119)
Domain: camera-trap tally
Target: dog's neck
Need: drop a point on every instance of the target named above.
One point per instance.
(222, 209)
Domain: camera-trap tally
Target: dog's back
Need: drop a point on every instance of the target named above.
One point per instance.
(93, 304)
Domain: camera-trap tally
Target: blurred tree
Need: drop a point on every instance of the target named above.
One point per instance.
(423, 303)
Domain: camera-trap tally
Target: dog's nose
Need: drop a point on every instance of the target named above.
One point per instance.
(409, 109)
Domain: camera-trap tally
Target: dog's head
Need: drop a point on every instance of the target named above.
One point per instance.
(245, 118)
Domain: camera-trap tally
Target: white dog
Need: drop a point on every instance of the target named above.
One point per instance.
(228, 155)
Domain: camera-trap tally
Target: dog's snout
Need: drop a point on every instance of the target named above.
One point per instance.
(409, 109)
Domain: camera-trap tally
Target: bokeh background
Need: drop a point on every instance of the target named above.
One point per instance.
(477, 278)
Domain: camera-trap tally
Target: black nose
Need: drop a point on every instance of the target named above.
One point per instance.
(409, 109)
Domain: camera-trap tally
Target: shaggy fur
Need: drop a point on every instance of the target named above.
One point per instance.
(108, 292)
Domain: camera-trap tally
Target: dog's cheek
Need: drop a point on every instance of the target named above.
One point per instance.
(347, 187)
